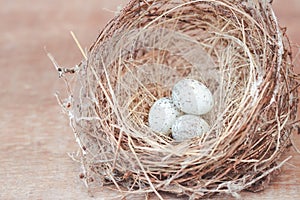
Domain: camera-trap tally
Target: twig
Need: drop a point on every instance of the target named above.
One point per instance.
(78, 45)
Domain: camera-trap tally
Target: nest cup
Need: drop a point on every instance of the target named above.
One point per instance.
(236, 48)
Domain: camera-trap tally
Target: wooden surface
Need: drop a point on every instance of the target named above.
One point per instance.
(35, 136)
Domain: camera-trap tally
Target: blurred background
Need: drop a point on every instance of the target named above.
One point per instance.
(34, 134)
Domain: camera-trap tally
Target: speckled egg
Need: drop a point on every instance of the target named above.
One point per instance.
(162, 116)
(192, 97)
(189, 126)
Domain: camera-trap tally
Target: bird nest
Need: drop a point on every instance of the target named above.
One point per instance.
(236, 48)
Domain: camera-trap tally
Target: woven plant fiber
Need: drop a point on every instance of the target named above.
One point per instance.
(236, 48)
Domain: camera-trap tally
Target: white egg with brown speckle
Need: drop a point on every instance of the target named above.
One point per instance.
(192, 97)
(162, 115)
(189, 126)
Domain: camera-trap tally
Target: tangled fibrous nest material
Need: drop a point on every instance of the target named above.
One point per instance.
(234, 47)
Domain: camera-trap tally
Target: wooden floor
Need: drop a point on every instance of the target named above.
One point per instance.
(35, 136)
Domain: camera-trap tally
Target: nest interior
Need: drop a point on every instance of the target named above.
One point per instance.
(236, 48)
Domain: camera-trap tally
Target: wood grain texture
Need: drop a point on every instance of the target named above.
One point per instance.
(35, 137)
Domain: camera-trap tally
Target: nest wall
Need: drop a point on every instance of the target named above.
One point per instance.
(236, 48)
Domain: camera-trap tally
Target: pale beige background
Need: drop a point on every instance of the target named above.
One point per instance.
(34, 135)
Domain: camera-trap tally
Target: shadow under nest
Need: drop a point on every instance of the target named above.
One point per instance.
(236, 48)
